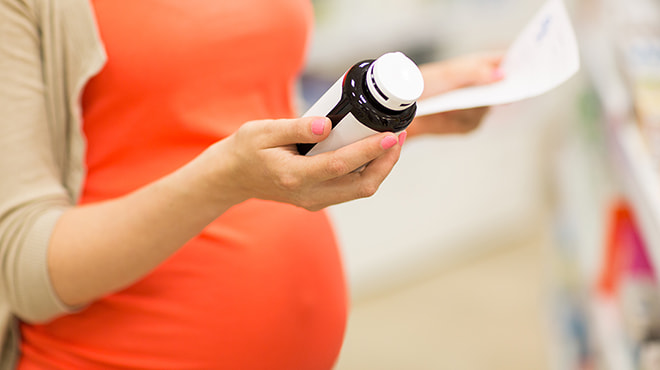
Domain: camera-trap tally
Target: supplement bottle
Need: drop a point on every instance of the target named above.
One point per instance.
(372, 96)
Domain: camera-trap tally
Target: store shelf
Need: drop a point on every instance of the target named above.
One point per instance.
(605, 37)
(634, 169)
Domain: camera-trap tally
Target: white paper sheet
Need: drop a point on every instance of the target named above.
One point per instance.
(543, 56)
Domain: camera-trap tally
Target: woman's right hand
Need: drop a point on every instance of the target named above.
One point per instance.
(260, 160)
(102, 247)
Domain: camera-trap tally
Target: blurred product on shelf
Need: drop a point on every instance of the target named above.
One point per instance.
(642, 57)
(630, 278)
(637, 43)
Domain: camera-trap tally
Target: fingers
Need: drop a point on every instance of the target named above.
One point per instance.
(378, 169)
(269, 170)
(475, 69)
(330, 165)
(485, 68)
(274, 133)
(358, 184)
(466, 120)
(453, 122)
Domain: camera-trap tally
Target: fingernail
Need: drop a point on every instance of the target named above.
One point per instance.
(318, 126)
(402, 137)
(497, 74)
(388, 142)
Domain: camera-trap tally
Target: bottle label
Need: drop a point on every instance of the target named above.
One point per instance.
(348, 103)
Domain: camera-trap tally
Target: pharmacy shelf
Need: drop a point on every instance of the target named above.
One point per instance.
(638, 179)
(633, 167)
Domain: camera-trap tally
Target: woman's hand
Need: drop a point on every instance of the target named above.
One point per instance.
(261, 161)
(102, 247)
(441, 77)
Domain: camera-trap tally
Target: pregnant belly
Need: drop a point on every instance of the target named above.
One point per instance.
(260, 288)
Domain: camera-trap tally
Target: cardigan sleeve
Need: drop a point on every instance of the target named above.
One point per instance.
(32, 197)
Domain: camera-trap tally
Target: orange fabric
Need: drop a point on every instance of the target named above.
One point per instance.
(262, 286)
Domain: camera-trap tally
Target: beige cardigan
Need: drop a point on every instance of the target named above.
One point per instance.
(48, 51)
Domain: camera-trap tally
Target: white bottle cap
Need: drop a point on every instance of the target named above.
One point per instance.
(395, 81)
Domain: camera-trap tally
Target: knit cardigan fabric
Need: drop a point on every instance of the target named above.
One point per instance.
(48, 51)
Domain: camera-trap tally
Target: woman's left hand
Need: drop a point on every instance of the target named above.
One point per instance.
(440, 77)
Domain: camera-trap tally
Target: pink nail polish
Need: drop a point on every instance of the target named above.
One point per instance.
(318, 126)
(498, 74)
(402, 137)
(388, 142)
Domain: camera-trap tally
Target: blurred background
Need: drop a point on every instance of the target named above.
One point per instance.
(529, 243)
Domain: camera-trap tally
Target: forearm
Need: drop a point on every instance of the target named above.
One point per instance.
(99, 248)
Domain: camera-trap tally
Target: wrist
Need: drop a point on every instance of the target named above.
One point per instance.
(211, 178)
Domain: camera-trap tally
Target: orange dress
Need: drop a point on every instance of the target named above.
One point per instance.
(262, 287)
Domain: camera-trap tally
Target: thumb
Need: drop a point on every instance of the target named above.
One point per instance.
(298, 130)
